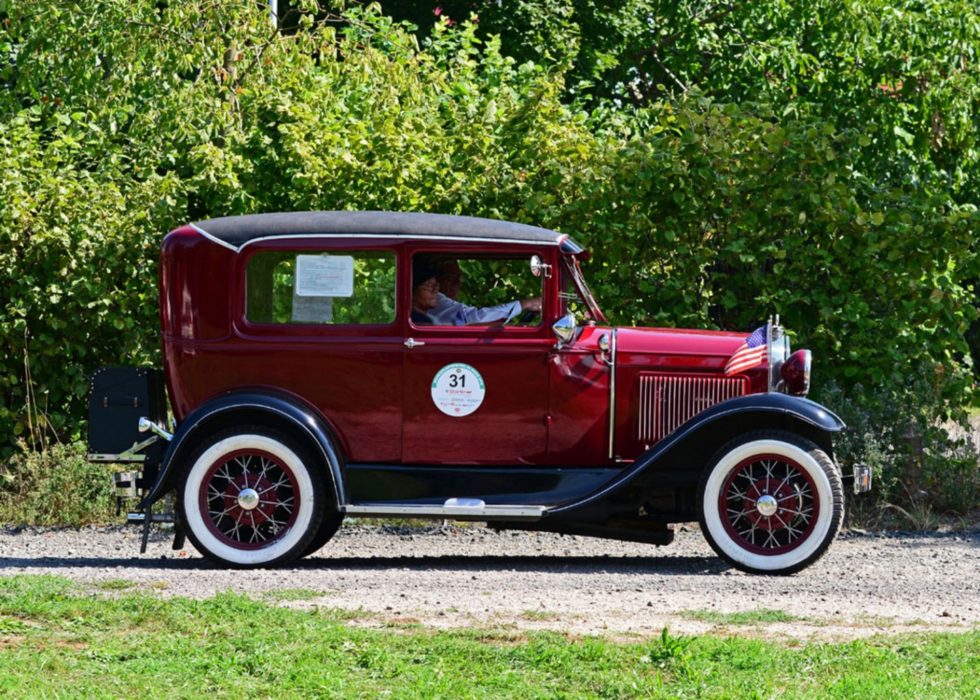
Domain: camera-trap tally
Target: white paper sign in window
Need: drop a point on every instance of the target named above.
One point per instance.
(324, 275)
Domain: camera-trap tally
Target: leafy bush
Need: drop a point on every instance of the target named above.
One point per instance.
(919, 459)
(56, 486)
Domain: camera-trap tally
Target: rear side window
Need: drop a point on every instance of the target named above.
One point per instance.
(336, 288)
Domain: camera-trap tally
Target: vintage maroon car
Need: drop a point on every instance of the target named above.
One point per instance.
(308, 382)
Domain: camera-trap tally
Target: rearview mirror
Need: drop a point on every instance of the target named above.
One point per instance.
(538, 267)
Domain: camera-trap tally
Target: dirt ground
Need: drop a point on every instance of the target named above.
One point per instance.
(472, 577)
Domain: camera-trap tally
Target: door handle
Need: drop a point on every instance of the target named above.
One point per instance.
(413, 343)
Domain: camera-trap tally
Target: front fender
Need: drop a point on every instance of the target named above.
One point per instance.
(249, 406)
(688, 449)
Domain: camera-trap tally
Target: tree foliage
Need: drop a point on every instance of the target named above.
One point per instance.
(773, 187)
(904, 72)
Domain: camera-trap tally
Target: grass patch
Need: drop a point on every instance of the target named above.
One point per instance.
(539, 615)
(284, 595)
(53, 637)
(114, 584)
(745, 617)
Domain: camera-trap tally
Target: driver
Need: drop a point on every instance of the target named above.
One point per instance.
(449, 312)
(425, 289)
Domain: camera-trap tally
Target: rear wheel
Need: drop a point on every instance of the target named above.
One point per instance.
(252, 497)
(771, 503)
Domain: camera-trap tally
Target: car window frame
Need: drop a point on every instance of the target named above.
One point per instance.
(245, 327)
(488, 331)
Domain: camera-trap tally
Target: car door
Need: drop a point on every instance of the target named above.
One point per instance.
(478, 394)
(319, 321)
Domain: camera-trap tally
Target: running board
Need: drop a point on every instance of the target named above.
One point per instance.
(454, 508)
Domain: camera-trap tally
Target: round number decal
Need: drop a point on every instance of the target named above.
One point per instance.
(458, 390)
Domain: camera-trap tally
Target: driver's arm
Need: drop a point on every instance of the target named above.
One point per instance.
(449, 312)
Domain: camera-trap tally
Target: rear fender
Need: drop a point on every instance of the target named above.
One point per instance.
(257, 406)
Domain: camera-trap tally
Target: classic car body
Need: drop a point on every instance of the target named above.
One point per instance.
(303, 391)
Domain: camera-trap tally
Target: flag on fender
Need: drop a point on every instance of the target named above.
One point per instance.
(749, 354)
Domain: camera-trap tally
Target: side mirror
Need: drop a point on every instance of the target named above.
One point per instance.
(539, 267)
(564, 329)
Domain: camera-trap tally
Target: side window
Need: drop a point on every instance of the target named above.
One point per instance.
(474, 291)
(338, 288)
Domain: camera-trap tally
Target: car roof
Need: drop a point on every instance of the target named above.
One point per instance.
(235, 232)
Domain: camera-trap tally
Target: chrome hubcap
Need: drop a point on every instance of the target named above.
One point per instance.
(766, 505)
(248, 499)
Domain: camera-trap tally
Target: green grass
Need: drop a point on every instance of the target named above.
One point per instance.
(294, 594)
(540, 615)
(746, 617)
(114, 584)
(55, 637)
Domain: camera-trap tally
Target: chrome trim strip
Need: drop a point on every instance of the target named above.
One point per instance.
(390, 235)
(612, 393)
(443, 237)
(213, 239)
(511, 512)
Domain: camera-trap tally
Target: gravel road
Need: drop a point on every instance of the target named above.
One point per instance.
(475, 577)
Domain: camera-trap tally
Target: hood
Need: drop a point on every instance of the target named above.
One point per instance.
(678, 341)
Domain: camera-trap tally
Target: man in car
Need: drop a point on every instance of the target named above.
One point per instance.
(449, 312)
(425, 292)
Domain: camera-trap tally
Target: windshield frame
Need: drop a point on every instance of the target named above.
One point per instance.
(573, 267)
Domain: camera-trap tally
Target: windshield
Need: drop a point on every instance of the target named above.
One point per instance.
(575, 293)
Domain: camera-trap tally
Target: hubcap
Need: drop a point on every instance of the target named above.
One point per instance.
(768, 504)
(249, 499)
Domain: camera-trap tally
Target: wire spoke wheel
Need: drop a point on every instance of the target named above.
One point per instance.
(771, 502)
(250, 498)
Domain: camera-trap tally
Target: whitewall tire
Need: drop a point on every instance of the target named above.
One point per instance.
(251, 498)
(771, 502)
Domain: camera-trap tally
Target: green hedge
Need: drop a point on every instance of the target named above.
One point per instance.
(125, 118)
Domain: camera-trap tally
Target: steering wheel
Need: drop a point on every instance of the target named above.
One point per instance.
(524, 318)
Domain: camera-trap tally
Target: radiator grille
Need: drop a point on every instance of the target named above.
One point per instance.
(667, 401)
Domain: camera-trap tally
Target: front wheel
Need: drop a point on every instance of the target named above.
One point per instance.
(771, 503)
(251, 498)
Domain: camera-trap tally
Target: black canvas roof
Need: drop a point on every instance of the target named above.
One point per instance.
(237, 231)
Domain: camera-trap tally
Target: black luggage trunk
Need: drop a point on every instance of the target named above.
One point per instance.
(118, 397)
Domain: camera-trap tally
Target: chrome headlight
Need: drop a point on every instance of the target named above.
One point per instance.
(788, 373)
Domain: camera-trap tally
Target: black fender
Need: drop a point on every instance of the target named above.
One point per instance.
(686, 452)
(244, 406)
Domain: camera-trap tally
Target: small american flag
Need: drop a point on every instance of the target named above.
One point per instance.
(749, 354)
